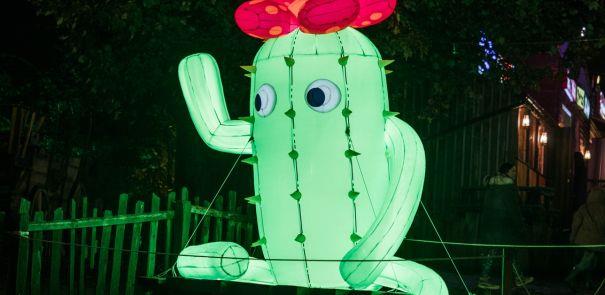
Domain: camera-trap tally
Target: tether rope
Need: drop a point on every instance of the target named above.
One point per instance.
(22, 235)
(445, 248)
(520, 279)
(209, 206)
(244, 258)
(216, 194)
(600, 286)
(506, 245)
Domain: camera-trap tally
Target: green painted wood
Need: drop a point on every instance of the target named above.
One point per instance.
(36, 256)
(83, 251)
(203, 210)
(186, 224)
(23, 256)
(135, 243)
(184, 194)
(195, 221)
(114, 287)
(55, 255)
(205, 227)
(72, 250)
(303, 291)
(93, 241)
(182, 226)
(218, 226)
(97, 222)
(238, 229)
(168, 240)
(182, 221)
(153, 235)
(103, 256)
(249, 225)
(231, 204)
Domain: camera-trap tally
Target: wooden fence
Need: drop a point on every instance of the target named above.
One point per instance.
(98, 242)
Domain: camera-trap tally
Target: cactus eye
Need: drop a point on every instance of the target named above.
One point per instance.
(264, 101)
(322, 95)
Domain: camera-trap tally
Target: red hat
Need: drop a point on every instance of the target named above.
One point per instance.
(266, 19)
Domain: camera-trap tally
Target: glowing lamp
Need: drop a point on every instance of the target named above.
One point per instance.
(587, 155)
(543, 138)
(525, 122)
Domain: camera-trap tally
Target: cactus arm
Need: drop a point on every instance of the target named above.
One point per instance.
(406, 162)
(201, 84)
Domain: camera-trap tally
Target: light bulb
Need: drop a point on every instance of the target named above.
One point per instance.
(525, 122)
(543, 138)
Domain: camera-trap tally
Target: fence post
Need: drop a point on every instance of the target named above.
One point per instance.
(93, 241)
(506, 272)
(134, 248)
(205, 230)
(182, 221)
(36, 255)
(168, 239)
(195, 221)
(72, 250)
(303, 291)
(103, 256)
(55, 256)
(23, 262)
(83, 250)
(153, 235)
(117, 248)
(184, 194)
(218, 226)
(249, 226)
(186, 222)
(231, 204)
(238, 228)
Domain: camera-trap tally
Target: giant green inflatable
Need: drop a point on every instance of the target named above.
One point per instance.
(338, 178)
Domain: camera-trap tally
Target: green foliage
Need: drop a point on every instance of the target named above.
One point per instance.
(115, 98)
(437, 41)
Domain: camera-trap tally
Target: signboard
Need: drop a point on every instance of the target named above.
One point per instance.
(586, 106)
(580, 97)
(583, 101)
(570, 89)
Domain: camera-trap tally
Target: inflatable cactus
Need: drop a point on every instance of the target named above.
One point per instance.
(338, 178)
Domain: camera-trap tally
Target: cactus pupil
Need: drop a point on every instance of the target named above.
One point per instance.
(258, 103)
(316, 97)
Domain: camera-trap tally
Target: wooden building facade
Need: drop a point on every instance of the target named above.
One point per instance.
(471, 140)
(538, 131)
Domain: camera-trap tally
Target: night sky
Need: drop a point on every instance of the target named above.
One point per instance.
(29, 42)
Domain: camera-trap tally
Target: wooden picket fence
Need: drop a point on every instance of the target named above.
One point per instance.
(92, 237)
